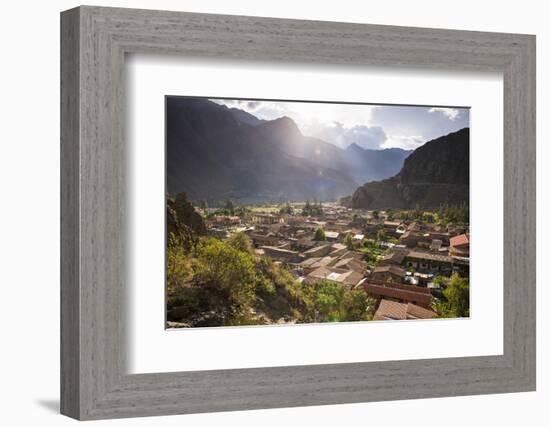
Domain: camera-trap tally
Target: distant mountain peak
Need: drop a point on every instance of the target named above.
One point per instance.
(284, 125)
(355, 147)
(245, 117)
(285, 121)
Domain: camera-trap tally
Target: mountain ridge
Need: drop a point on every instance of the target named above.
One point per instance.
(216, 152)
(436, 173)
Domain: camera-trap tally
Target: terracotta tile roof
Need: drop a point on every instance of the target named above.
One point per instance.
(339, 275)
(391, 310)
(460, 240)
(410, 293)
(351, 264)
(393, 269)
(417, 312)
(416, 254)
(395, 257)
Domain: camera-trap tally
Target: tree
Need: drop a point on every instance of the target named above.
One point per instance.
(229, 207)
(241, 211)
(319, 209)
(312, 209)
(227, 279)
(428, 217)
(381, 235)
(241, 242)
(320, 234)
(183, 215)
(357, 305)
(332, 302)
(306, 210)
(286, 209)
(457, 297)
(328, 296)
(375, 214)
(178, 265)
(348, 241)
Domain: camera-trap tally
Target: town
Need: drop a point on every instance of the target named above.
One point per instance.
(402, 259)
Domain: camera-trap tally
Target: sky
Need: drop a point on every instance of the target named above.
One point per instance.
(369, 126)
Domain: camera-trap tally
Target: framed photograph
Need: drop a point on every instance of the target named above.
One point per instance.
(261, 213)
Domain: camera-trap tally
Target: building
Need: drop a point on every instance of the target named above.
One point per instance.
(398, 292)
(428, 261)
(388, 273)
(282, 255)
(395, 257)
(225, 220)
(436, 245)
(318, 251)
(392, 310)
(258, 239)
(348, 278)
(310, 264)
(332, 236)
(409, 239)
(459, 245)
(265, 219)
(350, 263)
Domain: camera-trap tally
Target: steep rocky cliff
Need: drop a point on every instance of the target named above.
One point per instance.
(434, 174)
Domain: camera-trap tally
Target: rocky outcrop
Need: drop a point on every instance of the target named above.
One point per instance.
(436, 173)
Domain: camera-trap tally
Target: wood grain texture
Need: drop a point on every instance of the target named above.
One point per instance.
(94, 232)
(70, 291)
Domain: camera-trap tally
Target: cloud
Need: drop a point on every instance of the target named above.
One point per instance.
(451, 113)
(369, 126)
(404, 141)
(252, 105)
(371, 137)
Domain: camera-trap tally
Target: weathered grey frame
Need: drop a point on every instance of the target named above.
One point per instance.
(94, 41)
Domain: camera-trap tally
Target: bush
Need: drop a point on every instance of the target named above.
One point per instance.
(456, 295)
(223, 283)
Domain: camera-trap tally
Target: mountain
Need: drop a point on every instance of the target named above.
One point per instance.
(362, 165)
(244, 117)
(436, 173)
(214, 152)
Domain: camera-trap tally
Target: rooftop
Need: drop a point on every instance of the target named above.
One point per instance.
(429, 256)
(391, 310)
(393, 269)
(459, 240)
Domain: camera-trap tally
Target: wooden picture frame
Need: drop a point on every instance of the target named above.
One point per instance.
(94, 41)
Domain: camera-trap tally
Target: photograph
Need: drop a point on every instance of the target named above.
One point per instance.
(286, 212)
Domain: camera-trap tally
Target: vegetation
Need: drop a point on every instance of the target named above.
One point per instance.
(445, 214)
(371, 251)
(213, 282)
(454, 213)
(331, 302)
(219, 283)
(286, 209)
(320, 234)
(312, 209)
(456, 296)
(348, 241)
(229, 207)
